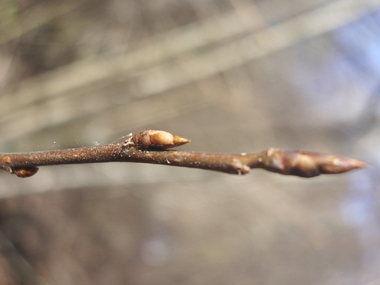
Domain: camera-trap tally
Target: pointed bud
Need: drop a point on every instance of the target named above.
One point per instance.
(157, 139)
(308, 164)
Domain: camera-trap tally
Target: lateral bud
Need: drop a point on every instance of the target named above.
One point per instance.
(25, 171)
(157, 139)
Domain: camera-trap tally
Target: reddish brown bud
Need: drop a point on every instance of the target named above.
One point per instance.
(307, 164)
(25, 172)
(157, 139)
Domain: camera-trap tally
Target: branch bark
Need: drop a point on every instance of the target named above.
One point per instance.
(298, 163)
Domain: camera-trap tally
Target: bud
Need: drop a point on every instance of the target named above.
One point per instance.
(307, 164)
(25, 172)
(157, 139)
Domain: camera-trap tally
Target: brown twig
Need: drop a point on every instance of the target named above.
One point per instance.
(298, 163)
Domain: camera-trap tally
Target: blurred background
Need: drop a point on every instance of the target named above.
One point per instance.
(231, 75)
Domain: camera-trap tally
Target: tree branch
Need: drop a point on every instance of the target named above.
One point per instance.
(150, 147)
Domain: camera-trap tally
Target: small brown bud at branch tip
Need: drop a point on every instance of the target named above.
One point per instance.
(308, 164)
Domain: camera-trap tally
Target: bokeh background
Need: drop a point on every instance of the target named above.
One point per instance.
(231, 75)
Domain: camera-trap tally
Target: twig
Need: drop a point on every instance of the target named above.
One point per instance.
(149, 147)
